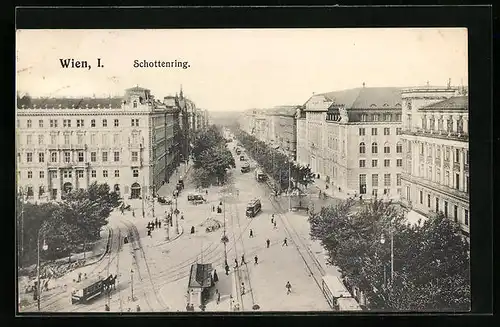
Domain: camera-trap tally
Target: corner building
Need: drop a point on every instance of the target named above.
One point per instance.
(65, 144)
(351, 140)
(436, 145)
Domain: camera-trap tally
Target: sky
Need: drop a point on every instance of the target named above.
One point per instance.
(238, 69)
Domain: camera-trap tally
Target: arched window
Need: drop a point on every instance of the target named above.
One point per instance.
(387, 148)
(362, 147)
(374, 147)
(399, 147)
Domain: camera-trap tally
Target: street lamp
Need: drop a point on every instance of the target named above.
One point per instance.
(44, 247)
(132, 283)
(382, 241)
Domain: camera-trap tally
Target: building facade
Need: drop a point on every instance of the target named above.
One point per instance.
(65, 144)
(436, 142)
(283, 129)
(352, 140)
(302, 148)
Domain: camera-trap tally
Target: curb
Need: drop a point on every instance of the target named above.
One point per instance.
(108, 243)
(181, 231)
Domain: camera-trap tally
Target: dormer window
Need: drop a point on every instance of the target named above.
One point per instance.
(135, 103)
(364, 117)
(375, 117)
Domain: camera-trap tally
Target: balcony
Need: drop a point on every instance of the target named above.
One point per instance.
(450, 135)
(463, 196)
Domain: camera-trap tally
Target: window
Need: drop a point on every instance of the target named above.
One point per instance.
(53, 123)
(117, 123)
(135, 172)
(421, 148)
(117, 156)
(447, 178)
(466, 218)
(455, 213)
(135, 122)
(362, 183)
(18, 157)
(438, 174)
(104, 173)
(53, 139)
(466, 157)
(66, 139)
(67, 157)
(438, 153)
(92, 139)
(134, 155)
(53, 174)
(40, 123)
(116, 139)
(361, 149)
(41, 157)
(80, 156)
(387, 117)
(80, 139)
(30, 174)
(387, 191)
(398, 179)
(93, 156)
(40, 139)
(387, 179)
(399, 162)
(387, 131)
(66, 122)
(104, 139)
(446, 209)
(429, 173)
(428, 200)
(466, 184)
(387, 148)
(361, 131)
(424, 123)
(104, 123)
(408, 193)
(457, 181)
(362, 163)
(449, 125)
(375, 180)
(117, 173)
(41, 174)
(374, 192)
(93, 174)
(28, 123)
(398, 130)
(432, 123)
(92, 123)
(457, 155)
(28, 139)
(437, 204)
(460, 125)
(374, 131)
(364, 117)
(374, 147)
(29, 157)
(79, 123)
(374, 163)
(387, 163)
(375, 117)
(104, 156)
(447, 154)
(80, 173)
(53, 157)
(135, 105)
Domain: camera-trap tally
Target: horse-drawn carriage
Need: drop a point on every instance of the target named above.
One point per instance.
(92, 288)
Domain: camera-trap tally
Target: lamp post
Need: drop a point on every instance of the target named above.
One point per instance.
(176, 216)
(44, 247)
(225, 237)
(132, 283)
(382, 240)
(289, 185)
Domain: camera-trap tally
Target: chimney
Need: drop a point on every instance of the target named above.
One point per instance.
(363, 84)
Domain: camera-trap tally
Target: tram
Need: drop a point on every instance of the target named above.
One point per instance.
(337, 295)
(86, 290)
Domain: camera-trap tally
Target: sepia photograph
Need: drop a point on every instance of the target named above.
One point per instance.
(242, 170)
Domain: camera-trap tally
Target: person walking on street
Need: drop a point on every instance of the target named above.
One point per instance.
(251, 233)
(285, 242)
(138, 308)
(213, 208)
(235, 263)
(256, 260)
(267, 243)
(243, 259)
(288, 288)
(218, 298)
(227, 270)
(106, 307)
(133, 213)
(159, 224)
(242, 288)
(272, 218)
(275, 224)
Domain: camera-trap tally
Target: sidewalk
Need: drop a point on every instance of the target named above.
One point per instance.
(183, 170)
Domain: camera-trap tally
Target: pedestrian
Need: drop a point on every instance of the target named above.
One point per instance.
(267, 243)
(288, 288)
(106, 307)
(218, 297)
(191, 307)
(159, 224)
(284, 242)
(133, 212)
(129, 310)
(220, 203)
(235, 263)
(216, 277)
(256, 260)
(242, 288)
(85, 276)
(149, 233)
(206, 192)
(192, 229)
(79, 277)
(243, 259)
(272, 218)
(227, 269)
(138, 308)
(251, 233)
(187, 307)
(213, 208)
(156, 222)
(182, 217)
(275, 225)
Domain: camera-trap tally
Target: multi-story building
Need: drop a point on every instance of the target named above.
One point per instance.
(282, 129)
(352, 139)
(65, 144)
(302, 148)
(436, 157)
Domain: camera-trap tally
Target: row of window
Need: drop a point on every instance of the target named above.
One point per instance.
(68, 173)
(81, 157)
(456, 153)
(447, 181)
(375, 178)
(387, 131)
(53, 123)
(378, 117)
(445, 207)
(81, 139)
(441, 123)
(387, 148)
(387, 163)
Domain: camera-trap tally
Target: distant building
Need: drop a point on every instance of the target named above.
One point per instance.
(63, 144)
(436, 152)
(351, 139)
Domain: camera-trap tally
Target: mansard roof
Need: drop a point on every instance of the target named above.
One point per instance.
(76, 103)
(366, 97)
(457, 102)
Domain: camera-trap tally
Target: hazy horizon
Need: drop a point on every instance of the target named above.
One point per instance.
(239, 69)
